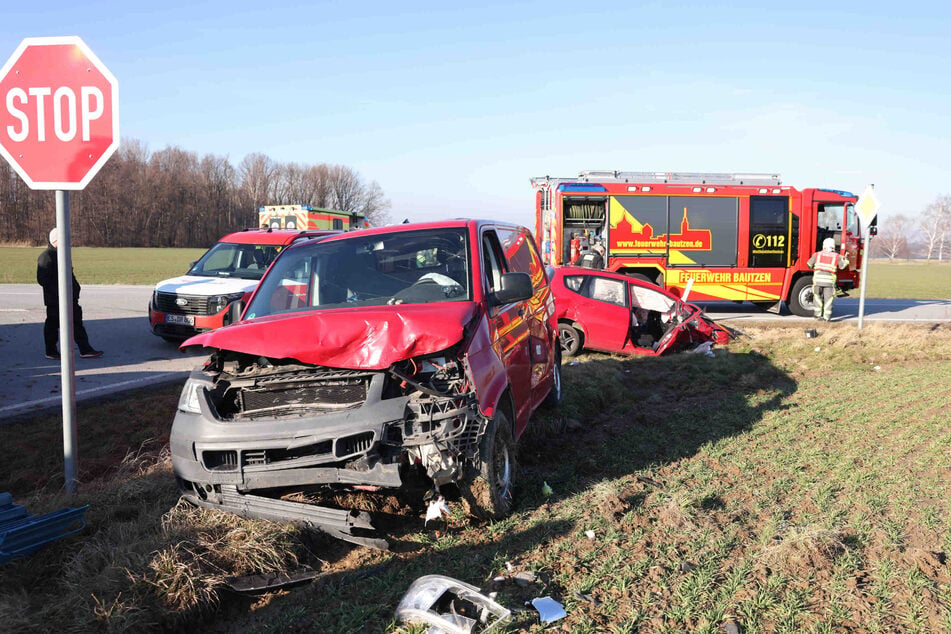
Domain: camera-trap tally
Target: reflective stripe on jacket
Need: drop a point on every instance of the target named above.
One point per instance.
(827, 261)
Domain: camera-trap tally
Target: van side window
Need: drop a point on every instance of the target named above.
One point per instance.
(492, 261)
(521, 254)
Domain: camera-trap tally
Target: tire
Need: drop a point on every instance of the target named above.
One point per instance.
(642, 278)
(800, 297)
(488, 495)
(555, 394)
(570, 339)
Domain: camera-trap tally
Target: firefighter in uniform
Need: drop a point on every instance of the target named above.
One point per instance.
(824, 265)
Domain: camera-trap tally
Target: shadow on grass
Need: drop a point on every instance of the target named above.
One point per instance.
(626, 416)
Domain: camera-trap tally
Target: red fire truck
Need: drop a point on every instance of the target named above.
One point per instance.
(738, 237)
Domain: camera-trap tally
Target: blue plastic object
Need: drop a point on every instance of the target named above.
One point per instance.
(22, 534)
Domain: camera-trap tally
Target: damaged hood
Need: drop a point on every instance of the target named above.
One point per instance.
(355, 338)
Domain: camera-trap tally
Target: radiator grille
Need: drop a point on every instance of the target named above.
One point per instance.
(314, 397)
(196, 304)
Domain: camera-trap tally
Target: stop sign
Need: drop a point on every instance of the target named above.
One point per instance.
(59, 112)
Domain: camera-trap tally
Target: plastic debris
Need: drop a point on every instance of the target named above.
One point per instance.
(549, 610)
(877, 368)
(449, 606)
(269, 581)
(704, 348)
(818, 348)
(811, 333)
(436, 509)
(546, 490)
(574, 363)
(589, 534)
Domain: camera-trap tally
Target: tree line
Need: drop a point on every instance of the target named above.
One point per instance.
(927, 235)
(176, 198)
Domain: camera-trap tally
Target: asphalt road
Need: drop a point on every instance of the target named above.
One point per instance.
(116, 318)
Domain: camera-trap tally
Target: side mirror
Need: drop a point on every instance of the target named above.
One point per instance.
(515, 287)
(234, 312)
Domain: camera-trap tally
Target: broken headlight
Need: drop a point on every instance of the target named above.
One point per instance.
(188, 401)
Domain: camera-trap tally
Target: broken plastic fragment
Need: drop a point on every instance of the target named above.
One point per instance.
(449, 605)
(436, 509)
(704, 348)
(589, 534)
(549, 610)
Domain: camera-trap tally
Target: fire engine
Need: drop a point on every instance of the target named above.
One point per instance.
(305, 217)
(738, 237)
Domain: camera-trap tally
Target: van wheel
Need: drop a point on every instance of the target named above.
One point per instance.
(489, 494)
(570, 339)
(800, 297)
(554, 396)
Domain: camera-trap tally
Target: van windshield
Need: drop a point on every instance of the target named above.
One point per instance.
(229, 259)
(407, 267)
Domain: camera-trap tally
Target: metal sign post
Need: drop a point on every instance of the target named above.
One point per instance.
(64, 264)
(59, 123)
(867, 208)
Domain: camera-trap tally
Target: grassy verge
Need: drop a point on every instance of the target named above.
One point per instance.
(785, 485)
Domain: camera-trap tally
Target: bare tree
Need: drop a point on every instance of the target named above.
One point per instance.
(258, 178)
(935, 226)
(350, 193)
(892, 240)
(174, 198)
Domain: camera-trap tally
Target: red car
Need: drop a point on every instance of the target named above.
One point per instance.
(611, 312)
(383, 359)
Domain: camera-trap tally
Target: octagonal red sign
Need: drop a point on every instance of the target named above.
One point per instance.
(59, 112)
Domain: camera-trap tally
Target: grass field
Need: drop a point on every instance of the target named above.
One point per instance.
(102, 266)
(785, 485)
(900, 279)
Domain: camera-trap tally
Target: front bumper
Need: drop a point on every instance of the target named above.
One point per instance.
(181, 326)
(363, 445)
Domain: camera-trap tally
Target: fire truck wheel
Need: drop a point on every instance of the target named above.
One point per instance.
(570, 339)
(800, 297)
(642, 278)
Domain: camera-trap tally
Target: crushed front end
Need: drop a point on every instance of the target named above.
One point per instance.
(251, 430)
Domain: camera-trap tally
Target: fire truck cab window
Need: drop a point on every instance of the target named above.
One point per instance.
(829, 218)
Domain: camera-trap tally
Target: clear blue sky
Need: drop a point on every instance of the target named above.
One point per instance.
(452, 108)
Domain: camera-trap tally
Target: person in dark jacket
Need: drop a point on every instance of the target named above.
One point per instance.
(47, 276)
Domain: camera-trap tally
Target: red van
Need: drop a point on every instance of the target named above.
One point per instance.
(374, 360)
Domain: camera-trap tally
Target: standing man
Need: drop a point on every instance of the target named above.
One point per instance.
(824, 265)
(46, 275)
